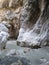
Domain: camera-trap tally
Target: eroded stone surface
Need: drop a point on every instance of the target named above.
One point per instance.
(31, 17)
(34, 25)
(10, 60)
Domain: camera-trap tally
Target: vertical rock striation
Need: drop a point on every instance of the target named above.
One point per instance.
(34, 30)
(31, 17)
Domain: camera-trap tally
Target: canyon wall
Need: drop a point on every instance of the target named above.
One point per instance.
(34, 30)
(9, 14)
(29, 20)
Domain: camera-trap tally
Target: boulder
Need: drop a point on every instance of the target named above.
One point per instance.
(34, 29)
(3, 39)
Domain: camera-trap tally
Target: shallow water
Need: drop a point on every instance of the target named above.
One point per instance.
(34, 55)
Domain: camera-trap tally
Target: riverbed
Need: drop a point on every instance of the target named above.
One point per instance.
(35, 56)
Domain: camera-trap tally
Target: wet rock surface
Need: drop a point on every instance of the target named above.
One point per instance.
(3, 35)
(11, 60)
(3, 39)
(35, 56)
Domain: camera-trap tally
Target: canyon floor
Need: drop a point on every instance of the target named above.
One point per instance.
(38, 56)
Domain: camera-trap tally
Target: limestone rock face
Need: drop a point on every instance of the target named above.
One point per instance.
(31, 17)
(10, 3)
(10, 13)
(4, 3)
(34, 30)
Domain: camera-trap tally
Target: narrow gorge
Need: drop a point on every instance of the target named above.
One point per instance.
(24, 32)
(30, 21)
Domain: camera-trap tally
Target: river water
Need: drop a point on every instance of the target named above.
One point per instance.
(36, 56)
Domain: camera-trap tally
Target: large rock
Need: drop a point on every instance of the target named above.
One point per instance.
(3, 39)
(3, 27)
(34, 24)
(32, 19)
